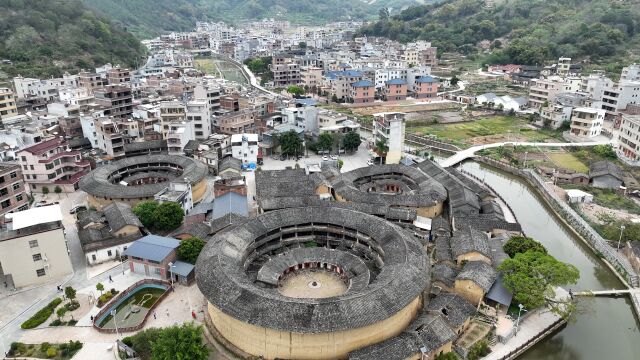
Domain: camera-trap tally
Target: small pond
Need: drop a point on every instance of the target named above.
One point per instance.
(133, 308)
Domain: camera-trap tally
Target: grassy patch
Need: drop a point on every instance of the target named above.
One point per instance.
(207, 66)
(42, 315)
(45, 350)
(568, 161)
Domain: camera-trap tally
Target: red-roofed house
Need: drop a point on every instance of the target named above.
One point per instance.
(51, 163)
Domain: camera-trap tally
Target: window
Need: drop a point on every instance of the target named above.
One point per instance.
(93, 257)
(4, 191)
(13, 175)
(48, 166)
(19, 197)
(25, 167)
(31, 167)
(33, 243)
(5, 204)
(157, 270)
(36, 257)
(24, 158)
(40, 272)
(16, 186)
(109, 253)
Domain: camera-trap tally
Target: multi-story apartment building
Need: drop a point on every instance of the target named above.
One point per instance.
(333, 122)
(91, 80)
(426, 87)
(46, 89)
(286, 74)
(311, 76)
(117, 100)
(118, 76)
(33, 249)
(239, 122)
(244, 147)
(170, 112)
(363, 91)
(303, 116)
(51, 163)
(75, 96)
(180, 133)
(109, 137)
(197, 111)
(68, 118)
(7, 104)
(395, 90)
(230, 102)
(211, 94)
(629, 137)
(389, 128)
(544, 91)
(339, 82)
(619, 96)
(555, 115)
(386, 74)
(587, 122)
(13, 196)
(630, 73)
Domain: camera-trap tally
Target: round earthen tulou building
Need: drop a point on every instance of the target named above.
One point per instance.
(314, 282)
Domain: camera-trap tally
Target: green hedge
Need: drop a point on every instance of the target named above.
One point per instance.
(42, 315)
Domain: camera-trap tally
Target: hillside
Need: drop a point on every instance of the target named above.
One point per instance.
(523, 31)
(46, 38)
(147, 18)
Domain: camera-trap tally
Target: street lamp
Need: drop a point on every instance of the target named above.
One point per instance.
(171, 266)
(620, 239)
(521, 307)
(122, 264)
(113, 313)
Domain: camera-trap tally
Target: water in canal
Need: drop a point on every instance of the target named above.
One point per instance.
(605, 328)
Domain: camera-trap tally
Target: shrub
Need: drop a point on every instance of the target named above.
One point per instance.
(72, 322)
(73, 305)
(42, 315)
(104, 298)
(56, 322)
(52, 352)
(44, 346)
(479, 350)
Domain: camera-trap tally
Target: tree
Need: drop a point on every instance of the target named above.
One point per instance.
(295, 90)
(454, 80)
(141, 342)
(145, 212)
(168, 216)
(478, 350)
(61, 312)
(290, 143)
(57, 190)
(532, 277)
(383, 14)
(100, 287)
(522, 244)
(190, 248)
(324, 142)
(352, 141)
(45, 190)
(70, 293)
(340, 164)
(336, 139)
(447, 356)
(183, 342)
(302, 45)
(334, 98)
(381, 147)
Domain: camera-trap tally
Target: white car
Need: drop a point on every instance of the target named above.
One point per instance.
(325, 158)
(334, 157)
(370, 162)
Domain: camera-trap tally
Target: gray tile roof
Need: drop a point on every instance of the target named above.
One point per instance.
(119, 215)
(480, 273)
(454, 308)
(102, 182)
(230, 202)
(445, 274)
(199, 229)
(443, 248)
(600, 168)
(467, 239)
(224, 272)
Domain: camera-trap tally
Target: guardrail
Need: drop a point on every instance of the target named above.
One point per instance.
(534, 340)
(619, 263)
(123, 294)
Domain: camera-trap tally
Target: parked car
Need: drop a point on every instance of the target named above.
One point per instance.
(77, 209)
(334, 157)
(325, 158)
(369, 162)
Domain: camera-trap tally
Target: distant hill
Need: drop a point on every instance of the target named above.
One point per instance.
(147, 18)
(523, 31)
(46, 38)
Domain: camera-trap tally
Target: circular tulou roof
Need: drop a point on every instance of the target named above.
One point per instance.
(97, 182)
(424, 191)
(401, 272)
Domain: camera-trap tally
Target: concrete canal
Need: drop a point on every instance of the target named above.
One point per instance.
(604, 328)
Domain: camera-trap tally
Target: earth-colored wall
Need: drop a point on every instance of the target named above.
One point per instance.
(270, 343)
(469, 290)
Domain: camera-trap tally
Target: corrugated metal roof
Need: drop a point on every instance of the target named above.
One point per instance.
(35, 216)
(230, 202)
(182, 268)
(152, 247)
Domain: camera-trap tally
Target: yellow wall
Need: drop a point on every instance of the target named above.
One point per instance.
(473, 256)
(272, 344)
(430, 212)
(127, 230)
(470, 291)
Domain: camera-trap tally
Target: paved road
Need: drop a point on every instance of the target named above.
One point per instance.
(470, 152)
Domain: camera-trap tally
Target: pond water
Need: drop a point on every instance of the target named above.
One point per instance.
(132, 309)
(604, 328)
